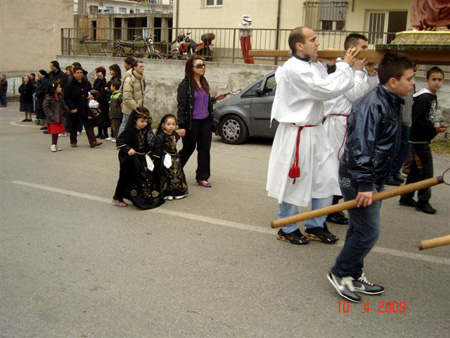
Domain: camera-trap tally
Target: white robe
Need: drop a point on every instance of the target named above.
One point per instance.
(302, 87)
(336, 126)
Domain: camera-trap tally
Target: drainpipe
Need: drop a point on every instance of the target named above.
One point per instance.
(176, 17)
(277, 39)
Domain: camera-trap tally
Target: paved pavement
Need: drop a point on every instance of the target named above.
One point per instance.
(74, 265)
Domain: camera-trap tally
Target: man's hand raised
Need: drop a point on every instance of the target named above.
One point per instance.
(350, 56)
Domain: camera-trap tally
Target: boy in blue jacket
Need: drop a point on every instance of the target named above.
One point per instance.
(374, 136)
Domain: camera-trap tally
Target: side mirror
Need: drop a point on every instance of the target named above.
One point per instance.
(259, 92)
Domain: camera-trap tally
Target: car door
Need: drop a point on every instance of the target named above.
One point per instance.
(261, 108)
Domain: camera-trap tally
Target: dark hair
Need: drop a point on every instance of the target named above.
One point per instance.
(140, 112)
(130, 60)
(101, 70)
(32, 74)
(393, 65)
(52, 86)
(433, 70)
(116, 84)
(116, 69)
(189, 72)
(136, 63)
(55, 64)
(77, 64)
(353, 40)
(76, 68)
(163, 120)
(295, 36)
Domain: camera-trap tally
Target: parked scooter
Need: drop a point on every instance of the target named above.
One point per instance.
(183, 47)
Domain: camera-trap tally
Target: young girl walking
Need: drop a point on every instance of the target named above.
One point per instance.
(136, 182)
(54, 109)
(168, 168)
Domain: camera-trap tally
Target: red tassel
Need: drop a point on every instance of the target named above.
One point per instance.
(294, 172)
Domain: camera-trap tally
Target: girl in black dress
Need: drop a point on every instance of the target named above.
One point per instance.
(168, 168)
(136, 182)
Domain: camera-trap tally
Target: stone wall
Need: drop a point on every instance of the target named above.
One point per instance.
(163, 76)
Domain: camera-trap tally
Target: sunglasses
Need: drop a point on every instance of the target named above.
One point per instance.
(200, 66)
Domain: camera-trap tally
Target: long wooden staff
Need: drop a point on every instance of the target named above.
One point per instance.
(352, 204)
(434, 242)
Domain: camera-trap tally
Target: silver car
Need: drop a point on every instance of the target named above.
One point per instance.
(247, 112)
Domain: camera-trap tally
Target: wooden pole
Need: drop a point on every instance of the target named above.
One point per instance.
(434, 242)
(435, 57)
(352, 204)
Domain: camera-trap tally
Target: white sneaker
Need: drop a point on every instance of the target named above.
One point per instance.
(108, 139)
(179, 197)
(113, 140)
(169, 198)
(53, 148)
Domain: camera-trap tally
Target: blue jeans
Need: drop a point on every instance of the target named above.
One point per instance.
(125, 118)
(286, 210)
(362, 234)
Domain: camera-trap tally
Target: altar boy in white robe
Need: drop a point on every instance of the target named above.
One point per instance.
(338, 109)
(301, 166)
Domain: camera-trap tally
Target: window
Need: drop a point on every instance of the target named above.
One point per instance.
(122, 10)
(253, 90)
(325, 15)
(109, 9)
(93, 9)
(327, 25)
(210, 3)
(270, 86)
(137, 10)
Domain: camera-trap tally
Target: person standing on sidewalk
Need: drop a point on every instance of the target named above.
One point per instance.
(133, 92)
(245, 36)
(76, 95)
(423, 130)
(3, 90)
(373, 141)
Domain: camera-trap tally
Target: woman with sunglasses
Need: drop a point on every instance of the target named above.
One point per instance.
(195, 117)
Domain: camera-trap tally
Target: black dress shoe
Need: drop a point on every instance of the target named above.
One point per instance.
(338, 218)
(426, 208)
(408, 202)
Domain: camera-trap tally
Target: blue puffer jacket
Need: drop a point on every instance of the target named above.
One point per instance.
(373, 141)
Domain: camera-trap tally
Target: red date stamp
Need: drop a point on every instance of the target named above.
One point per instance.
(381, 307)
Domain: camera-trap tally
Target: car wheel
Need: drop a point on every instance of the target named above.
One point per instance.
(233, 130)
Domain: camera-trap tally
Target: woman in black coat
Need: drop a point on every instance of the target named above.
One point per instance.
(26, 98)
(41, 90)
(99, 85)
(195, 118)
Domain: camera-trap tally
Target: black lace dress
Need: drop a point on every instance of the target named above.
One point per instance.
(136, 182)
(172, 180)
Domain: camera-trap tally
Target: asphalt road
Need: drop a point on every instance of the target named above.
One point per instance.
(74, 265)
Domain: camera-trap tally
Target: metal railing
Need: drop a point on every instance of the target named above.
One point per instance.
(226, 44)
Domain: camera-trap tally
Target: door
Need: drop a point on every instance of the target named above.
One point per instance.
(262, 107)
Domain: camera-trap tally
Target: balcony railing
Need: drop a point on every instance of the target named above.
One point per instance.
(226, 44)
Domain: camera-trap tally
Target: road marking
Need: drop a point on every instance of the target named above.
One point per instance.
(16, 123)
(234, 225)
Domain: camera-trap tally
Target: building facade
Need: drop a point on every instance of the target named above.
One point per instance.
(30, 33)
